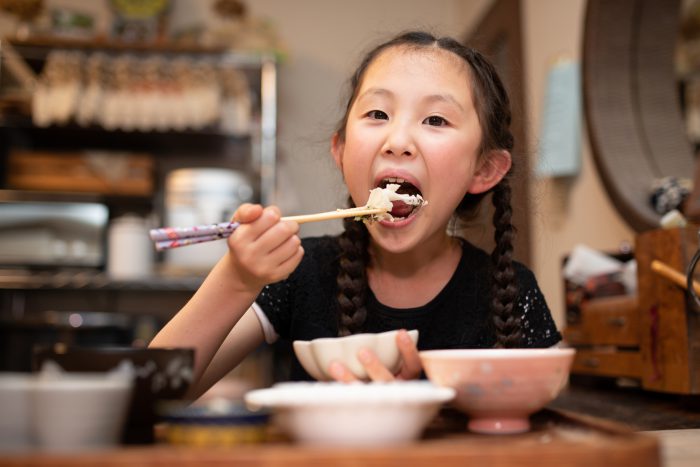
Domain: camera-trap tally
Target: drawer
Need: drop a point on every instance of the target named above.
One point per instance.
(606, 321)
(608, 363)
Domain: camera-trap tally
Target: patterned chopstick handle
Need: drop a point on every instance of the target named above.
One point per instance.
(178, 242)
(173, 237)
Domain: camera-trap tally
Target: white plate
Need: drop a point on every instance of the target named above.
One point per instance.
(337, 414)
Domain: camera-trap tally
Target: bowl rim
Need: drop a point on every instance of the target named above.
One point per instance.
(363, 335)
(300, 395)
(497, 354)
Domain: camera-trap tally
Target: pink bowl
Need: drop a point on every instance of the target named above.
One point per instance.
(500, 388)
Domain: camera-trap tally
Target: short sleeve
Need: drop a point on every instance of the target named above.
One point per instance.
(539, 328)
(275, 301)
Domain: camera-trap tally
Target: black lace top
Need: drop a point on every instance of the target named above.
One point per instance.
(304, 306)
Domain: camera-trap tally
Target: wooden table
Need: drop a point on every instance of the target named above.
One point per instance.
(679, 448)
(557, 439)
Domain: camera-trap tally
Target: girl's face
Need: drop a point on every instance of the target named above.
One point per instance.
(414, 120)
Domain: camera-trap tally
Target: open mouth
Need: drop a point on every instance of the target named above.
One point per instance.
(401, 210)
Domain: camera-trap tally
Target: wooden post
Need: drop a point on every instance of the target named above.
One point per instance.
(669, 324)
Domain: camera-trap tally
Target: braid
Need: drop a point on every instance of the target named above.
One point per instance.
(504, 289)
(352, 277)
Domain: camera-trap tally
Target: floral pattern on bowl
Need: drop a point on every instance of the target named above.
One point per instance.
(500, 388)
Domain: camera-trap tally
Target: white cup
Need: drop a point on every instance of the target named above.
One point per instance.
(130, 251)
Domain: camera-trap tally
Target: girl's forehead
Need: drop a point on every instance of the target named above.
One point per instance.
(432, 63)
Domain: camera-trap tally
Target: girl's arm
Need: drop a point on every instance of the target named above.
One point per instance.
(261, 251)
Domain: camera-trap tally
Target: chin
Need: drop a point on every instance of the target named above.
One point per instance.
(393, 240)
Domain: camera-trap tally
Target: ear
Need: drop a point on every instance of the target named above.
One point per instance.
(492, 169)
(337, 148)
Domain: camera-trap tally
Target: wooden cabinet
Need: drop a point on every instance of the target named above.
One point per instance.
(653, 336)
(607, 337)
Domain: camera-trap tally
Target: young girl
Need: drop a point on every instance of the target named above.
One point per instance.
(432, 116)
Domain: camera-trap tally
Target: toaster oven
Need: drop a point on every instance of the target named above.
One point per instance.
(45, 229)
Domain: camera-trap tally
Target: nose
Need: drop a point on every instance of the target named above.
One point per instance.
(399, 141)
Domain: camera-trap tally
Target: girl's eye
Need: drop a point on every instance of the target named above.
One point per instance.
(377, 115)
(434, 120)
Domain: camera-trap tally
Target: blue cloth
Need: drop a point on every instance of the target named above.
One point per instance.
(560, 140)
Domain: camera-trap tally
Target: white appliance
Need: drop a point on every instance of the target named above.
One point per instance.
(200, 196)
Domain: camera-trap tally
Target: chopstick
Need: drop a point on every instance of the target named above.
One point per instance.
(174, 237)
(673, 275)
(339, 214)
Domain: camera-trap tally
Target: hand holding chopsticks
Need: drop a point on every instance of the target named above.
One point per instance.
(380, 202)
(174, 237)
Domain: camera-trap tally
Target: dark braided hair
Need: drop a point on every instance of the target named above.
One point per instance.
(493, 108)
(352, 276)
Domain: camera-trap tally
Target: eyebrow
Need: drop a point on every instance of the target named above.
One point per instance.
(430, 98)
(445, 98)
(374, 92)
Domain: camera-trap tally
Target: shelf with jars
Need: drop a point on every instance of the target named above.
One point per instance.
(176, 106)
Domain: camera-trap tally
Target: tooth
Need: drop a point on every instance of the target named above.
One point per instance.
(400, 180)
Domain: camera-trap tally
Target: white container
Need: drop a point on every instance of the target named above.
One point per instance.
(16, 408)
(81, 411)
(200, 196)
(130, 251)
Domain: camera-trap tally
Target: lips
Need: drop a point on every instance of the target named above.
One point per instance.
(401, 210)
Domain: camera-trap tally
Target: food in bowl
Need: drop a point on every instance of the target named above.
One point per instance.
(355, 414)
(317, 355)
(500, 388)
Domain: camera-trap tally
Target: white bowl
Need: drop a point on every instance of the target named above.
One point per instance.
(316, 355)
(356, 414)
(77, 411)
(15, 406)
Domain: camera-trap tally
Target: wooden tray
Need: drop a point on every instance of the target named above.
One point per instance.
(557, 439)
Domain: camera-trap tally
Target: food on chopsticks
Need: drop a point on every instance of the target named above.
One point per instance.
(383, 204)
(395, 205)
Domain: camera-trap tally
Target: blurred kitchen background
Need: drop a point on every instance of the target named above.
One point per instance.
(117, 116)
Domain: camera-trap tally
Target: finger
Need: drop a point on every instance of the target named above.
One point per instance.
(281, 236)
(339, 373)
(290, 263)
(247, 213)
(274, 260)
(286, 268)
(251, 231)
(284, 251)
(411, 366)
(375, 369)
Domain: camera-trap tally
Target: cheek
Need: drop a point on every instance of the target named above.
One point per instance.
(356, 168)
(454, 160)
(357, 154)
